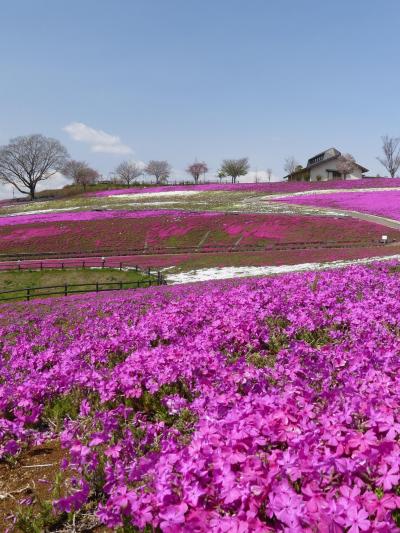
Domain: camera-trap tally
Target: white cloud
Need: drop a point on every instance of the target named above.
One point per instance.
(6, 191)
(99, 140)
(57, 181)
(141, 164)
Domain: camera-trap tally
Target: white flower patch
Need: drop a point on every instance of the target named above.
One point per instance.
(328, 191)
(166, 202)
(134, 196)
(208, 274)
(40, 211)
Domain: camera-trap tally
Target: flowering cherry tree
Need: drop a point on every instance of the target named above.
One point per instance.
(196, 169)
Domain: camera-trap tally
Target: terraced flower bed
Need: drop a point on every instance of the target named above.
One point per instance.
(265, 405)
(380, 203)
(127, 230)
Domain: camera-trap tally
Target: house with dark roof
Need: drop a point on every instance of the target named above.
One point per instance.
(323, 167)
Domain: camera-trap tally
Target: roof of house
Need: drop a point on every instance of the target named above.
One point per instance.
(331, 153)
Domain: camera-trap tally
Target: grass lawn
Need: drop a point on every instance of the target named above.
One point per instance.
(19, 281)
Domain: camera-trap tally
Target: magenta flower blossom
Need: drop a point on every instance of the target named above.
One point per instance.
(357, 520)
(253, 406)
(260, 187)
(380, 203)
(172, 516)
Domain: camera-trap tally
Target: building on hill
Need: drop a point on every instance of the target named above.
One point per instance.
(323, 167)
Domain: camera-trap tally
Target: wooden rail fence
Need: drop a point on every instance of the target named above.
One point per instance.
(35, 264)
(75, 288)
(154, 278)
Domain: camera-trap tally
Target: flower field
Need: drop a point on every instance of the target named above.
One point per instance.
(267, 188)
(265, 405)
(123, 230)
(380, 203)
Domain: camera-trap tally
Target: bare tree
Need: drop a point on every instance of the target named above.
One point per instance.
(29, 159)
(269, 173)
(80, 173)
(235, 167)
(128, 171)
(391, 154)
(346, 164)
(196, 169)
(290, 165)
(159, 169)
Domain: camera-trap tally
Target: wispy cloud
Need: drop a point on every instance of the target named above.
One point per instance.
(99, 140)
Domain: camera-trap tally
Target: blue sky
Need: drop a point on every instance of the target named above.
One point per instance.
(179, 79)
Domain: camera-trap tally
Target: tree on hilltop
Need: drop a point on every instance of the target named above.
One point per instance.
(235, 168)
(80, 173)
(391, 154)
(29, 159)
(221, 175)
(128, 171)
(196, 169)
(159, 169)
(290, 165)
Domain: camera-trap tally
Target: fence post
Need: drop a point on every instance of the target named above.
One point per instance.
(148, 271)
(65, 290)
(120, 265)
(97, 286)
(41, 265)
(62, 266)
(159, 278)
(28, 294)
(120, 285)
(83, 264)
(137, 268)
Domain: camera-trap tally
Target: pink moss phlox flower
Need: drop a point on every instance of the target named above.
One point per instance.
(259, 405)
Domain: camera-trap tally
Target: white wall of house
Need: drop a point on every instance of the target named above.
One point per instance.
(321, 170)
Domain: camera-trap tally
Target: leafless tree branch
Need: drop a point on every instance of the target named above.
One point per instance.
(391, 154)
(159, 169)
(290, 165)
(26, 161)
(80, 172)
(128, 171)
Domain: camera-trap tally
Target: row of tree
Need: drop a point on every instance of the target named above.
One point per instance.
(128, 171)
(28, 160)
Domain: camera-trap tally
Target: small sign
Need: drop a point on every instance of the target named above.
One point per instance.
(384, 238)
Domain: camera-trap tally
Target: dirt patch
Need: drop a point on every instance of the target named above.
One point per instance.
(27, 488)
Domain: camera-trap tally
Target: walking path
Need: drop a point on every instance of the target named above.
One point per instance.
(387, 222)
(332, 211)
